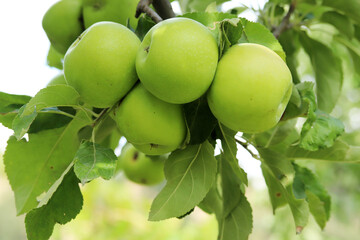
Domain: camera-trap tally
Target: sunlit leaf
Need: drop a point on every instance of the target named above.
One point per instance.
(93, 161)
(33, 166)
(64, 205)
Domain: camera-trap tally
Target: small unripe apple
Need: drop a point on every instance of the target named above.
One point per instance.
(153, 126)
(58, 79)
(119, 11)
(100, 64)
(251, 89)
(177, 60)
(63, 23)
(140, 168)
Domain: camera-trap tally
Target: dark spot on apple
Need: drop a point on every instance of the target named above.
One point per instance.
(278, 194)
(147, 49)
(136, 155)
(51, 167)
(97, 5)
(143, 180)
(153, 145)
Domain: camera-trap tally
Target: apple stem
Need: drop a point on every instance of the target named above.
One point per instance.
(285, 23)
(163, 9)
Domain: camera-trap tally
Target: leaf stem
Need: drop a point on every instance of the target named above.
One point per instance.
(245, 145)
(60, 112)
(87, 110)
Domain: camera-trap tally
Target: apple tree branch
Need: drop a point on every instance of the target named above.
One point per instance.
(285, 23)
(163, 9)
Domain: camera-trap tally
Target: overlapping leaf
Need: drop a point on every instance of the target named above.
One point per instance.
(238, 224)
(64, 205)
(93, 161)
(200, 120)
(306, 184)
(54, 58)
(328, 72)
(52, 96)
(230, 149)
(12, 102)
(320, 131)
(281, 194)
(339, 152)
(33, 166)
(258, 33)
(190, 174)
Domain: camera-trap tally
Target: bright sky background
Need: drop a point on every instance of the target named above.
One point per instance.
(23, 51)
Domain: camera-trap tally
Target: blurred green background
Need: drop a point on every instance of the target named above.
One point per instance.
(117, 209)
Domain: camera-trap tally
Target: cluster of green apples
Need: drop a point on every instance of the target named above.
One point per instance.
(67, 19)
(176, 63)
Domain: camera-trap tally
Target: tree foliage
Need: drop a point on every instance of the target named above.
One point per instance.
(69, 143)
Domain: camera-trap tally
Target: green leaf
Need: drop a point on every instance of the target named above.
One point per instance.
(93, 161)
(299, 207)
(21, 123)
(197, 5)
(306, 184)
(340, 21)
(230, 149)
(212, 203)
(33, 166)
(52, 96)
(357, 31)
(277, 135)
(349, 7)
(209, 19)
(280, 166)
(12, 102)
(258, 33)
(231, 32)
(320, 131)
(54, 58)
(64, 205)
(7, 119)
(328, 72)
(190, 174)
(231, 191)
(144, 25)
(200, 120)
(353, 47)
(275, 189)
(238, 224)
(46, 121)
(212, 20)
(339, 152)
(289, 40)
(303, 91)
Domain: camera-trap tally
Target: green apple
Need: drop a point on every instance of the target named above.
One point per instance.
(251, 89)
(139, 168)
(58, 79)
(110, 10)
(100, 65)
(63, 23)
(177, 60)
(153, 126)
